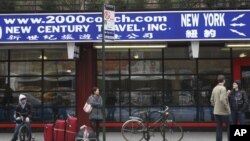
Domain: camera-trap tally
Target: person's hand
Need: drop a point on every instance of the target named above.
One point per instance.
(27, 119)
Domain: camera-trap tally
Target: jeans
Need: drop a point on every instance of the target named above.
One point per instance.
(220, 119)
(15, 136)
(238, 117)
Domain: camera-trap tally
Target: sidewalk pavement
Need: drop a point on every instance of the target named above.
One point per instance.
(116, 136)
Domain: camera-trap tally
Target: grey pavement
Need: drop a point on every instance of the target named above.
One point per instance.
(116, 136)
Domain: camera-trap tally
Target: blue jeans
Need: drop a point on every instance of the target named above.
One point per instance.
(238, 117)
(220, 119)
(15, 136)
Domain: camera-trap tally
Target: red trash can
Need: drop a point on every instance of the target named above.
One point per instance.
(48, 132)
(71, 129)
(59, 130)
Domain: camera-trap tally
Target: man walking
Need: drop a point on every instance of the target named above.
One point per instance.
(219, 99)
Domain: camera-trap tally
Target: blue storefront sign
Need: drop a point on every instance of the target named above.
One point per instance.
(130, 26)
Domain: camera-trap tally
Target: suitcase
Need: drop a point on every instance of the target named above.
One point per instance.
(71, 128)
(59, 130)
(48, 132)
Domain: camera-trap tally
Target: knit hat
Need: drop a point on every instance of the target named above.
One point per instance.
(238, 83)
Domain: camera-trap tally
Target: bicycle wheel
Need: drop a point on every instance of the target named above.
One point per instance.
(173, 131)
(132, 130)
(24, 134)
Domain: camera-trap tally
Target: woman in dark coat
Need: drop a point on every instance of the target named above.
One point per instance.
(96, 115)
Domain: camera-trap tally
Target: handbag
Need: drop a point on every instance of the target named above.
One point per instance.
(87, 108)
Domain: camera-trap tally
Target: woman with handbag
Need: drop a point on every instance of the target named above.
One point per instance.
(96, 115)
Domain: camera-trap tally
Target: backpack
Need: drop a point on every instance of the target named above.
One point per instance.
(85, 134)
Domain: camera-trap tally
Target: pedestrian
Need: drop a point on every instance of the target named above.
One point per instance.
(238, 103)
(111, 100)
(220, 102)
(96, 115)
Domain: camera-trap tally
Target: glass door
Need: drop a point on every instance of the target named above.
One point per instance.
(245, 80)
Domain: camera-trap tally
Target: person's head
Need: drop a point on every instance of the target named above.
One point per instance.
(95, 91)
(22, 99)
(236, 84)
(221, 79)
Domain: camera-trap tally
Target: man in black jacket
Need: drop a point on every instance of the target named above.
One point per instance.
(238, 103)
(22, 114)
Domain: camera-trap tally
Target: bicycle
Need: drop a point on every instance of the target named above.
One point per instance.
(137, 129)
(24, 132)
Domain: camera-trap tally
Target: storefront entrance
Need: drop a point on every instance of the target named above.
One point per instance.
(242, 72)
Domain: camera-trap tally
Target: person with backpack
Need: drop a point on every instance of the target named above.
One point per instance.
(238, 100)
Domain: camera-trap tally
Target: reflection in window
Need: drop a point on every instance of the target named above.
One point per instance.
(183, 98)
(26, 54)
(146, 53)
(176, 52)
(3, 68)
(114, 82)
(214, 66)
(214, 52)
(180, 82)
(60, 83)
(146, 67)
(26, 83)
(146, 97)
(56, 54)
(113, 67)
(25, 68)
(59, 67)
(59, 99)
(3, 54)
(113, 54)
(179, 67)
(146, 82)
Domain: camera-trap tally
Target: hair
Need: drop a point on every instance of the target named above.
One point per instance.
(94, 89)
(220, 78)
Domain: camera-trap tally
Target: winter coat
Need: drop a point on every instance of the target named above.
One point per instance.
(219, 99)
(96, 103)
(23, 111)
(238, 101)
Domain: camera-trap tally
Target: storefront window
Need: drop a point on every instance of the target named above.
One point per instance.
(146, 67)
(179, 66)
(114, 54)
(59, 67)
(146, 53)
(214, 66)
(56, 54)
(43, 79)
(26, 83)
(156, 78)
(3, 54)
(3, 68)
(145, 82)
(179, 82)
(214, 52)
(113, 67)
(176, 52)
(241, 52)
(26, 54)
(25, 68)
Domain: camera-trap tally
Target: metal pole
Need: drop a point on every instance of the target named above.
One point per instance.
(103, 75)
